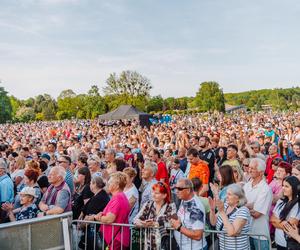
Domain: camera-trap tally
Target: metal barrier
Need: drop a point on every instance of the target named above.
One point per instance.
(87, 236)
(49, 232)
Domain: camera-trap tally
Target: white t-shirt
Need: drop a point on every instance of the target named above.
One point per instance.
(261, 197)
(192, 216)
(176, 174)
(133, 192)
(294, 213)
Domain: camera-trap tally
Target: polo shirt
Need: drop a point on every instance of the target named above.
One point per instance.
(261, 197)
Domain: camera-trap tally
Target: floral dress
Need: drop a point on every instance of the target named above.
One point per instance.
(154, 236)
(29, 212)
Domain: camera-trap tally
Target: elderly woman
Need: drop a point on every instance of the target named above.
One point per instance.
(232, 219)
(156, 212)
(28, 209)
(148, 179)
(116, 211)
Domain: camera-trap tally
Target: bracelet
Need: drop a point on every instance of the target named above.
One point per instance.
(178, 229)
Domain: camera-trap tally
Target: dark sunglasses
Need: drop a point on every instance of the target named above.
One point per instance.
(181, 188)
(62, 162)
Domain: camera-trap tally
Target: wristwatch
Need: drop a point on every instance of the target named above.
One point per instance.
(178, 229)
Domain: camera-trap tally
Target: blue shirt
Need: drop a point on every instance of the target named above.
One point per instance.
(6, 189)
(69, 180)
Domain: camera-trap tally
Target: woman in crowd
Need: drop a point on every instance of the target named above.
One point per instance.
(116, 211)
(296, 171)
(221, 156)
(17, 166)
(131, 192)
(285, 150)
(232, 218)
(28, 209)
(226, 177)
(287, 210)
(156, 213)
(82, 191)
(94, 205)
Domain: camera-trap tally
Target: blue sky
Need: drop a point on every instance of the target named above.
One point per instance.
(47, 46)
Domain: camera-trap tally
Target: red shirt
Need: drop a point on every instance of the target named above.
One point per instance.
(162, 172)
(269, 171)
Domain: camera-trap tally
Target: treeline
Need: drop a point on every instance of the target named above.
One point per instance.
(130, 87)
(277, 99)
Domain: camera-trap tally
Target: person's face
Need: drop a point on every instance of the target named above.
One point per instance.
(181, 152)
(93, 166)
(81, 178)
(109, 157)
(192, 159)
(246, 167)
(176, 165)
(272, 150)
(157, 196)
(63, 162)
(146, 173)
(280, 173)
(221, 152)
(51, 148)
(255, 148)
(296, 173)
(153, 156)
(287, 189)
(296, 150)
(253, 171)
(25, 199)
(202, 142)
(231, 153)
(285, 143)
(53, 176)
(111, 185)
(182, 191)
(231, 198)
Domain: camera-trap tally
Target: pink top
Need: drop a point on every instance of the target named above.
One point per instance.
(119, 206)
(276, 189)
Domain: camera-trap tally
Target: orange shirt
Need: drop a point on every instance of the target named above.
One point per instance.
(201, 171)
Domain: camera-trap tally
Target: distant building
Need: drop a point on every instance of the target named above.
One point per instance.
(235, 109)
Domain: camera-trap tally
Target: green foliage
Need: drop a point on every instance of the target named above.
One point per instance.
(5, 106)
(278, 99)
(210, 97)
(25, 114)
(128, 88)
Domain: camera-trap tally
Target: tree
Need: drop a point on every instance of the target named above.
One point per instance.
(156, 103)
(5, 106)
(210, 97)
(25, 114)
(128, 88)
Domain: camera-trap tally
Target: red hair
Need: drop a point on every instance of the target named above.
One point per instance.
(32, 174)
(163, 189)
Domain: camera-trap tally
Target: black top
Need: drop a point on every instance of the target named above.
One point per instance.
(209, 157)
(78, 200)
(96, 204)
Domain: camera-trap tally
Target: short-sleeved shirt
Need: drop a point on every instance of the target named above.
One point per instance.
(261, 197)
(119, 206)
(241, 241)
(192, 216)
(201, 171)
(162, 172)
(29, 212)
(294, 213)
(133, 192)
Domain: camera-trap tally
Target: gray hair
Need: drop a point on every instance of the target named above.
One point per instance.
(261, 164)
(152, 165)
(187, 183)
(111, 151)
(98, 181)
(3, 165)
(60, 171)
(237, 190)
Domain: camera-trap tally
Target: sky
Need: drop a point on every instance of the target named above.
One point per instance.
(47, 46)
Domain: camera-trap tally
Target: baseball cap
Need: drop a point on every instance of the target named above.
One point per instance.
(46, 156)
(28, 191)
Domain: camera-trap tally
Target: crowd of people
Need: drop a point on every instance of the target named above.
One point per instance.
(238, 174)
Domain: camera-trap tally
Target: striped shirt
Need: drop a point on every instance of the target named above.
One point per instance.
(239, 242)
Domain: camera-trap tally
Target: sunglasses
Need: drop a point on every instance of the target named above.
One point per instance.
(181, 188)
(62, 162)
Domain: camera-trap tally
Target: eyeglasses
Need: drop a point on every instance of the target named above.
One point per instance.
(246, 165)
(181, 188)
(62, 162)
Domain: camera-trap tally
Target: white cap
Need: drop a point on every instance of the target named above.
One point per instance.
(28, 191)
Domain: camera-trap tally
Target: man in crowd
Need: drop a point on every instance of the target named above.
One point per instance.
(259, 198)
(57, 198)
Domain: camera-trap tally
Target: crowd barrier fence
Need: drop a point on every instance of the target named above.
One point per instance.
(87, 236)
(49, 232)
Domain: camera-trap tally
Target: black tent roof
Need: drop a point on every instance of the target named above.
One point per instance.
(122, 112)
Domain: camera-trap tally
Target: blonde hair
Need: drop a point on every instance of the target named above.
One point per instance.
(20, 162)
(131, 172)
(119, 178)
